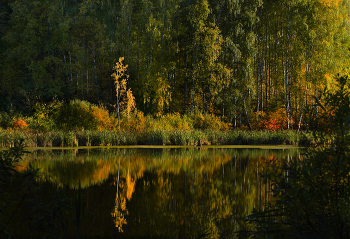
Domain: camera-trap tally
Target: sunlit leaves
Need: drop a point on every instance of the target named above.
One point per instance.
(120, 80)
(230, 58)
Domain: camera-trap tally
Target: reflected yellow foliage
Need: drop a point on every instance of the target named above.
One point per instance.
(124, 193)
(130, 185)
(119, 213)
(102, 172)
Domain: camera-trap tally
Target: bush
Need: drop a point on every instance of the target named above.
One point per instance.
(135, 122)
(44, 116)
(175, 122)
(103, 120)
(77, 114)
(209, 122)
(6, 120)
(20, 124)
(274, 120)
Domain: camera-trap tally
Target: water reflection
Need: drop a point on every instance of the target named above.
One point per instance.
(171, 193)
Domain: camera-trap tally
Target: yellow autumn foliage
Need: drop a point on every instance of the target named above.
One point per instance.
(172, 121)
(135, 122)
(102, 117)
(129, 103)
(331, 3)
(209, 122)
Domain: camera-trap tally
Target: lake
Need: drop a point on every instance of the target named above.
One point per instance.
(157, 192)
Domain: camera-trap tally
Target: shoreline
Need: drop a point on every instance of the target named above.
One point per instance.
(167, 147)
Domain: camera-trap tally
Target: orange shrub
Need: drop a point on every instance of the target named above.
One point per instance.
(20, 124)
(271, 124)
(102, 117)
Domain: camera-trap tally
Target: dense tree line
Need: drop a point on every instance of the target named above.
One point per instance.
(238, 59)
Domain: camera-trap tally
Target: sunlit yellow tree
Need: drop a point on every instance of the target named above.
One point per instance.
(128, 103)
(120, 82)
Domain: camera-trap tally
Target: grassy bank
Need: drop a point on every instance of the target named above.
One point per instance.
(152, 137)
(80, 123)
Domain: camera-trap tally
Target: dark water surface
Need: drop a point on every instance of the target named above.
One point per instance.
(158, 192)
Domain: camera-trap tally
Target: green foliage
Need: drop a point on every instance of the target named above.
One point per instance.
(12, 119)
(233, 59)
(6, 120)
(44, 116)
(77, 114)
(7, 160)
(311, 194)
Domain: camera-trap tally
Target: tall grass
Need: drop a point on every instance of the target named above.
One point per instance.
(152, 137)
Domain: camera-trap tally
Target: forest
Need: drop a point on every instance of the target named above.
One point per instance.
(242, 61)
(181, 72)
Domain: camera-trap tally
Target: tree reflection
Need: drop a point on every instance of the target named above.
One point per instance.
(124, 193)
(166, 193)
(119, 213)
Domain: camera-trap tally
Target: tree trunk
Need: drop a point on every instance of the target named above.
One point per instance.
(246, 112)
(66, 67)
(257, 82)
(193, 90)
(95, 76)
(118, 107)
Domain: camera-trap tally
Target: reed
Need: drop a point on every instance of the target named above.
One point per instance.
(152, 137)
(155, 137)
(180, 137)
(217, 137)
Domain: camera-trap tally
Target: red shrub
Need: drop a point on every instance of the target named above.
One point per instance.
(271, 124)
